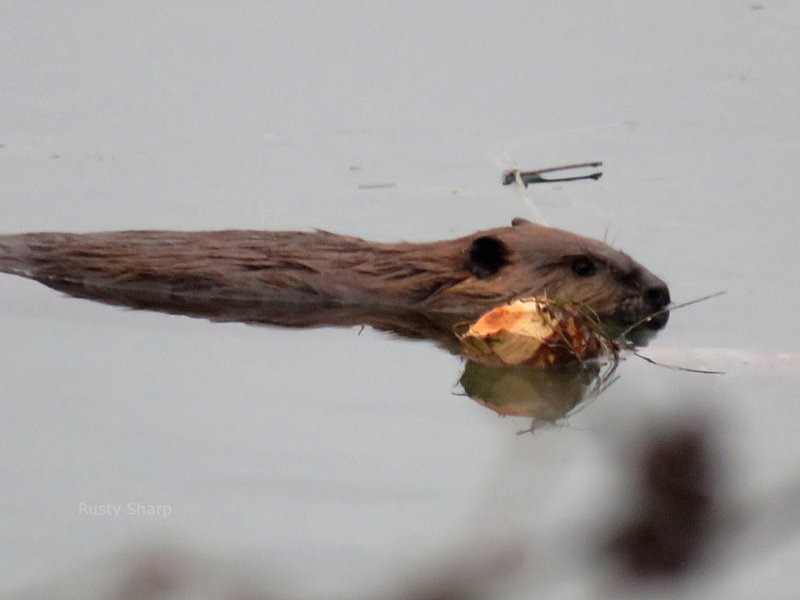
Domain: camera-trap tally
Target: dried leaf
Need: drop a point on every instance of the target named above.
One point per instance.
(534, 331)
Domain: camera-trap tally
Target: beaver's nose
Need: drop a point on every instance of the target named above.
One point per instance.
(657, 296)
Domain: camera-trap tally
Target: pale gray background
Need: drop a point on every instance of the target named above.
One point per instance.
(339, 459)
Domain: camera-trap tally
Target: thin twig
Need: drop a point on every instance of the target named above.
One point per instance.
(674, 367)
(668, 308)
(527, 177)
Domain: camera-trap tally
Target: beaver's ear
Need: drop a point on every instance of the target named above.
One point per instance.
(517, 221)
(487, 255)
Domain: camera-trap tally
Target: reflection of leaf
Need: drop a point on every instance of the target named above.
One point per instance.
(545, 395)
(524, 391)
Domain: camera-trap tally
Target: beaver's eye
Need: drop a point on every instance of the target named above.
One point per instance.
(583, 266)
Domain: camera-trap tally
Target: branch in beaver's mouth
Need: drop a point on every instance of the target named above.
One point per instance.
(656, 321)
(633, 313)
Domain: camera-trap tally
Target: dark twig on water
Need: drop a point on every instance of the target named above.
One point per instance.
(528, 177)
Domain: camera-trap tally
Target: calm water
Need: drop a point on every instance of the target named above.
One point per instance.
(342, 459)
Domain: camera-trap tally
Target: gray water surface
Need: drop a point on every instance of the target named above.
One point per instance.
(344, 460)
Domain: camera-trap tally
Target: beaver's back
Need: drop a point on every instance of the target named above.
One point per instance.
(269, 265)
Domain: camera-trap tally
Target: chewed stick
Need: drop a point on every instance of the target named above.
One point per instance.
(524, 178)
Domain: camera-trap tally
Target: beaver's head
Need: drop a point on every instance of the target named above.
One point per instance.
(532, 260)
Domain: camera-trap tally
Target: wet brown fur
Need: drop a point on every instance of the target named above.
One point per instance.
(324, 268)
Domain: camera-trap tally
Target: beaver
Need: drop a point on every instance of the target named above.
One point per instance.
(463, 277)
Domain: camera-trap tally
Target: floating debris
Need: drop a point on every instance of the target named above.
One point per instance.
(525, 178)
(376, 186)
